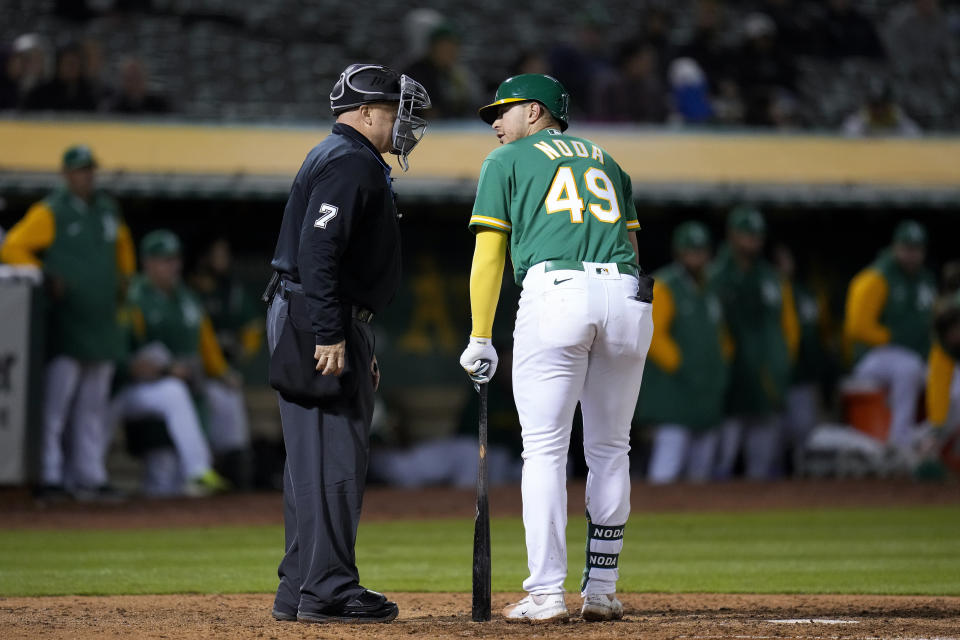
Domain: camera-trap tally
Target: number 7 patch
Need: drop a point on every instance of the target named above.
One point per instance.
(327, 213)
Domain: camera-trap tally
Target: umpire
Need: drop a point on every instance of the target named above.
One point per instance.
(337, 263)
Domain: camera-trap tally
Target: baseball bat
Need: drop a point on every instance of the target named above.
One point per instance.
(481, 527)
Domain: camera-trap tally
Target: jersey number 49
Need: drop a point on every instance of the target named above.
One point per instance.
(564, 195)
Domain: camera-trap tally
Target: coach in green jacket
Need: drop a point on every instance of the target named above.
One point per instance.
(686, 375)
(759, 309)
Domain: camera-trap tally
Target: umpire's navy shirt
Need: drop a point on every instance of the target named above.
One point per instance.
(340, 237)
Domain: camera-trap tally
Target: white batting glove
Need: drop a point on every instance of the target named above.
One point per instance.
(479, 360)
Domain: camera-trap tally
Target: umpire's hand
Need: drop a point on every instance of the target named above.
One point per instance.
(329, 358)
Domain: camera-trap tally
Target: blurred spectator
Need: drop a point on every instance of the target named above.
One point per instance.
(454, 91)
(887, 326)
(635, 92)
(655, 31)
(759, 309)
(69, 90)
(709, 45)
(530, 61)
(77, 235)
(33, 52)
(688, 358)
(168, 313)
(844, 32)
(167, 328)
(132, 95)
(762, 68)
(578, 64)
(235, 314)
(418, 24)
(689, 92)
(784, 112)
(880, 116)
(803, 394)
(11, 67)
(93, 67)
(919, 41)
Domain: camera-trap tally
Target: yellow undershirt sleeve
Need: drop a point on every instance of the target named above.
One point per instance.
(664, 350)
(939, 377)
(30, 236)
(251, 335)
(865, 300)
(214, 364)
(486, 276)
(126, 255)
(788, 319)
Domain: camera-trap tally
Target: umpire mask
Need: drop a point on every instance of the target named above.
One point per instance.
(365, 83)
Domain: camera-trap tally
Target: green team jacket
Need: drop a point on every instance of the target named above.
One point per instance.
(752, 305)
(693, 394)
(83, 323)
(908, 311)
(173, 320)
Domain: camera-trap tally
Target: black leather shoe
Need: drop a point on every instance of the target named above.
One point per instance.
(283, 616)
(369, 606)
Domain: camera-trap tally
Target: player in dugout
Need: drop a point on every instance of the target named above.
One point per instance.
(887, 327)
(78, 237)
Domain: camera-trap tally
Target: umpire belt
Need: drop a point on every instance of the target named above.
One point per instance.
(360, 314)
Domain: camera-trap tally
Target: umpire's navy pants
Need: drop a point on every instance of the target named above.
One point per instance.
(324, 477)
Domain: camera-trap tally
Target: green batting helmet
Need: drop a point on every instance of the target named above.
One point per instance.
(545, 89)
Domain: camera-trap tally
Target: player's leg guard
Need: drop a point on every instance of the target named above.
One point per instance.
(604, 544)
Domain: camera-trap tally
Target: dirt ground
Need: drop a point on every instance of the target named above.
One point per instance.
(444, 615)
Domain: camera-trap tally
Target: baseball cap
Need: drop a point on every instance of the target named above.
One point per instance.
(910, 232)
(691, 235)
(79, 156)
(747, 219)
(160, 243)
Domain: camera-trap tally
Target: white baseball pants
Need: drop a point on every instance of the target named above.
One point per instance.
(580, 336)
(679, 452)
(229, 430)
(903, 373)
(169, 399)
(75, 421)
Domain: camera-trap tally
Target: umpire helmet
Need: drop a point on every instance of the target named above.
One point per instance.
(544, 89)
(365, 83)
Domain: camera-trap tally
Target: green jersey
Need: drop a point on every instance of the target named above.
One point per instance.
(559, 198)
(83, 323)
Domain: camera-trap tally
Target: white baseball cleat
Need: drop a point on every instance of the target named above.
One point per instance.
(543, 608)
(598, 607)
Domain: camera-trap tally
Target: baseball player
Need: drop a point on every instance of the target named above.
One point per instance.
(887, 326)
(566, 210)
(689, 353)
(760, 313)
(77, 235)
(177, 357)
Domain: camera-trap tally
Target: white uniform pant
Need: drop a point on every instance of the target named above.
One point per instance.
(76, 428)
(445, 461)
(679, 452)
(578, 338)
(801, 417)
(903, 373)
(761, 439)
(229, 430)
(167, 399)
